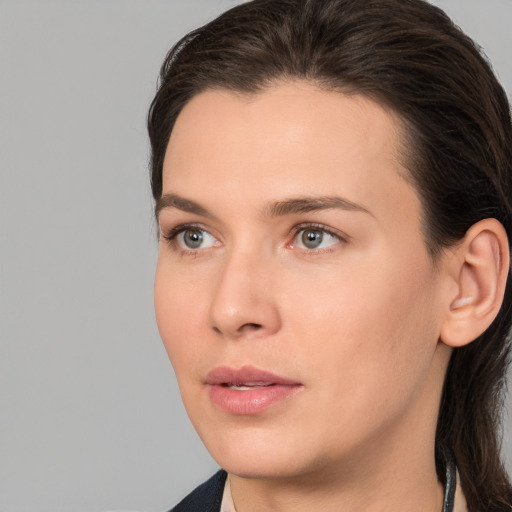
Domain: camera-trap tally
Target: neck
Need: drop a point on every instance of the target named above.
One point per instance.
(396, 487)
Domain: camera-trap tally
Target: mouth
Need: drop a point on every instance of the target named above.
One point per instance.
(246, 378)
(248, 390)
(247, 386)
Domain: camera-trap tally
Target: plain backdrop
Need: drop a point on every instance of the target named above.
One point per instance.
(90, 416)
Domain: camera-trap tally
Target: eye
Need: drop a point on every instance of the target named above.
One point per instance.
(191, 238)
(314, 238)
(195, 238)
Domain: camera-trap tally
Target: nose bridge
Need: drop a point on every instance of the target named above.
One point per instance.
(243, 302)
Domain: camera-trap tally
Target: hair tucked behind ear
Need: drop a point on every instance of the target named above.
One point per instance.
(408, 55)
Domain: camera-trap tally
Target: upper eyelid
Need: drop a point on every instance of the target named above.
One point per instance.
(175, 230)
(320, 227)
(172, 232)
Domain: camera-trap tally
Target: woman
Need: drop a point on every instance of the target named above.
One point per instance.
(333, 188)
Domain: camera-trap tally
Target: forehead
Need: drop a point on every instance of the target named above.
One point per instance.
(292, 139)
(296, 113)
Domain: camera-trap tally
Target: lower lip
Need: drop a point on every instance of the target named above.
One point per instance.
(251, 401)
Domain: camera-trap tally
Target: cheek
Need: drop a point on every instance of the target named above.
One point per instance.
(371, 328)
(176, 310)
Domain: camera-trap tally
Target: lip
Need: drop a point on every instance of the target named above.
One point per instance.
(248, 390)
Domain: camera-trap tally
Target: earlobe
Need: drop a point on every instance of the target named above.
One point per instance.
(482, 265)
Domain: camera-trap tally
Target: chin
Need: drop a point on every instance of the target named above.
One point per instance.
(262, 453)
(271, 467)
(251, 452)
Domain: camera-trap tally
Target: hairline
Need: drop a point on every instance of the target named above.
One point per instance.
(408, 150)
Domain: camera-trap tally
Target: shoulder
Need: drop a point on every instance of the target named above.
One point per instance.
(205, 498)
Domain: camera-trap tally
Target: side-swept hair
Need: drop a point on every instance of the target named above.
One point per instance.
(408, 55)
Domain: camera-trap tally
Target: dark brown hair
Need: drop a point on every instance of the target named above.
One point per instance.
(408, 55)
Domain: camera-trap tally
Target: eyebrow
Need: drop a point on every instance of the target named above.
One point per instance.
(311, 204)
(180, 203)
(275, 209)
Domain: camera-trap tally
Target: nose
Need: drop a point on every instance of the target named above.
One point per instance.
(244, 302)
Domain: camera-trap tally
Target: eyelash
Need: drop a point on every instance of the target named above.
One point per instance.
(171, 235)
(342, 238)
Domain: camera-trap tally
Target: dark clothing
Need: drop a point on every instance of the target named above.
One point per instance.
(205, 498)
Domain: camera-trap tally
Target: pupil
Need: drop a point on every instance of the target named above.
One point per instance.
(312, 238)
(193, 239)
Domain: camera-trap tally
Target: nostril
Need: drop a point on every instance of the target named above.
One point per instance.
(244, 328)
(251, 327)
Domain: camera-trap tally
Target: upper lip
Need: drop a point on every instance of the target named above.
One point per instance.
(246, 375)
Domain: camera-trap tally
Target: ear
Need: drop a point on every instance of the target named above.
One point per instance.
(480, 266)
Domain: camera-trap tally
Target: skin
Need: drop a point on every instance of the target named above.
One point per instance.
(356, 321)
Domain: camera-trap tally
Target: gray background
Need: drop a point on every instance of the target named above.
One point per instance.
(90, 417)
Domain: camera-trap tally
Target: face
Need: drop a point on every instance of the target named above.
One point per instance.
(294, 292)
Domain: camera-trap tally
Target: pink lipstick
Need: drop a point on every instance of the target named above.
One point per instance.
(248, 390)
